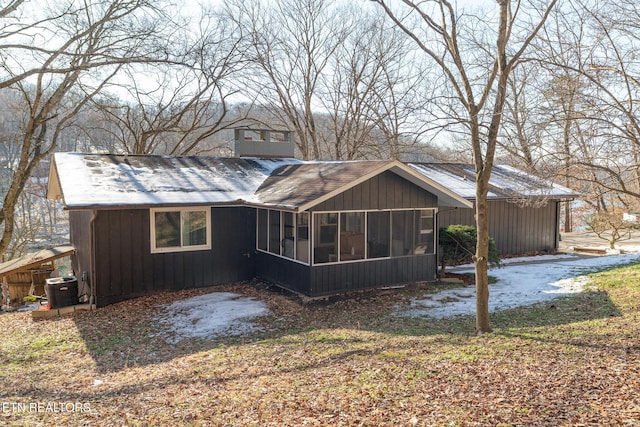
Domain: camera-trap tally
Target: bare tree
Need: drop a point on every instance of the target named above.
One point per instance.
(182, 104)
(58, 57)
(611, 225)
(289, 45)
(590, 56)
(370, 93)
(477, 77)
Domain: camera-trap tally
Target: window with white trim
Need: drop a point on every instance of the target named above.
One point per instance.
(362, 235)
(180, 229)
(283, 233)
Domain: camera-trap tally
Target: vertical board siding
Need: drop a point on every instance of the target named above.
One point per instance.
(384, 191)
(516, 229)
(80, 237)
(288, 274)
(125, 266)
(340, 278)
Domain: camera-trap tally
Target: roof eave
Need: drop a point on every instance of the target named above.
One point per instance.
(308, 205)
(446, 197)
(54, 189)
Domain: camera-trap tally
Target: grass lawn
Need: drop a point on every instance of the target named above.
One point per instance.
(348, 362)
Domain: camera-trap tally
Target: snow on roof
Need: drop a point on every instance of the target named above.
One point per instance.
(106, 180)
(505, 183)
(93, 180)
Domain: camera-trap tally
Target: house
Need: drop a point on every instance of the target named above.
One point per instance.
(524, 210)
(142, 224)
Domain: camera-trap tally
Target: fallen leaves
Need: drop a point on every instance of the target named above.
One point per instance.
(340, 362)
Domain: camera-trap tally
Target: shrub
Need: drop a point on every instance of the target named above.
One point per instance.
(458, 243)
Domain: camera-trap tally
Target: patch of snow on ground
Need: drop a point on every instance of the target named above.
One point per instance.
(211, 315)
(523, 283)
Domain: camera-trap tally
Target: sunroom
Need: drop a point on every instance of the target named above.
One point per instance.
(339, 234)
(314, 238)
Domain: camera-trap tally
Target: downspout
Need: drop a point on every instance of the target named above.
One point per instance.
(92, 259)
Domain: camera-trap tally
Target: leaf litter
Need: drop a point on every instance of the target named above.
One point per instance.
(345, 361)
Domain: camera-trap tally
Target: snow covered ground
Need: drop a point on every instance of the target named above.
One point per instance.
(520, 282)
(211, 315)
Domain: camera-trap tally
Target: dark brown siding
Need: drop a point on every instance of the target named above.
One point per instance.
(80, 236)
(338, 278)
(384, 191)
(288, 274)
(330, 279)
(125, 266)
(516, 229)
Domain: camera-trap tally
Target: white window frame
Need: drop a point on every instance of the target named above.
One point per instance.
(367, 211)
(182, 247)
(281, 235)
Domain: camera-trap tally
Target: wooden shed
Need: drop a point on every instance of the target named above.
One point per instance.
(27, 275)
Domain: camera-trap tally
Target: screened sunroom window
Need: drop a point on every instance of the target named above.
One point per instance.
(175, 230)
(283, 233)
(372, 235)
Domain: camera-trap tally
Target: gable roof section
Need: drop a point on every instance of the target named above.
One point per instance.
(305, 185)
(506, 183)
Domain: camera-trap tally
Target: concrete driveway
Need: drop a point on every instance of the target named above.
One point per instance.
(588, 239)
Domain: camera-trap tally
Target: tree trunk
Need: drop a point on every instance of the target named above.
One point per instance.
(567, 217)
(481, 258)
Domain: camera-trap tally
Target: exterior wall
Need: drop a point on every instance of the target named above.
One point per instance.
(384, 191)
(516, 229)
(337, 278)
(80, 236)
(125, 266)
(330, 279)
(284, 272)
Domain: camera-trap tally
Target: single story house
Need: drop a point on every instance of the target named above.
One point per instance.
(142, 223)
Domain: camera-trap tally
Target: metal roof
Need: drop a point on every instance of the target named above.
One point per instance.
(35, 259)
(85, 181)
(505, 182)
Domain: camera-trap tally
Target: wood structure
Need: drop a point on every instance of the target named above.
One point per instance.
(26, 275)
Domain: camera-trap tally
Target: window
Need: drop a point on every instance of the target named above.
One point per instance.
(325, 238)
(425, 238)
(174, 230)
(401, 233)
(288, 240)
(378, 234)
(371, 235)
(351, 236)
(274, 232)
(346, 236)
(285, 234)
(302, 232)
(263, 218)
